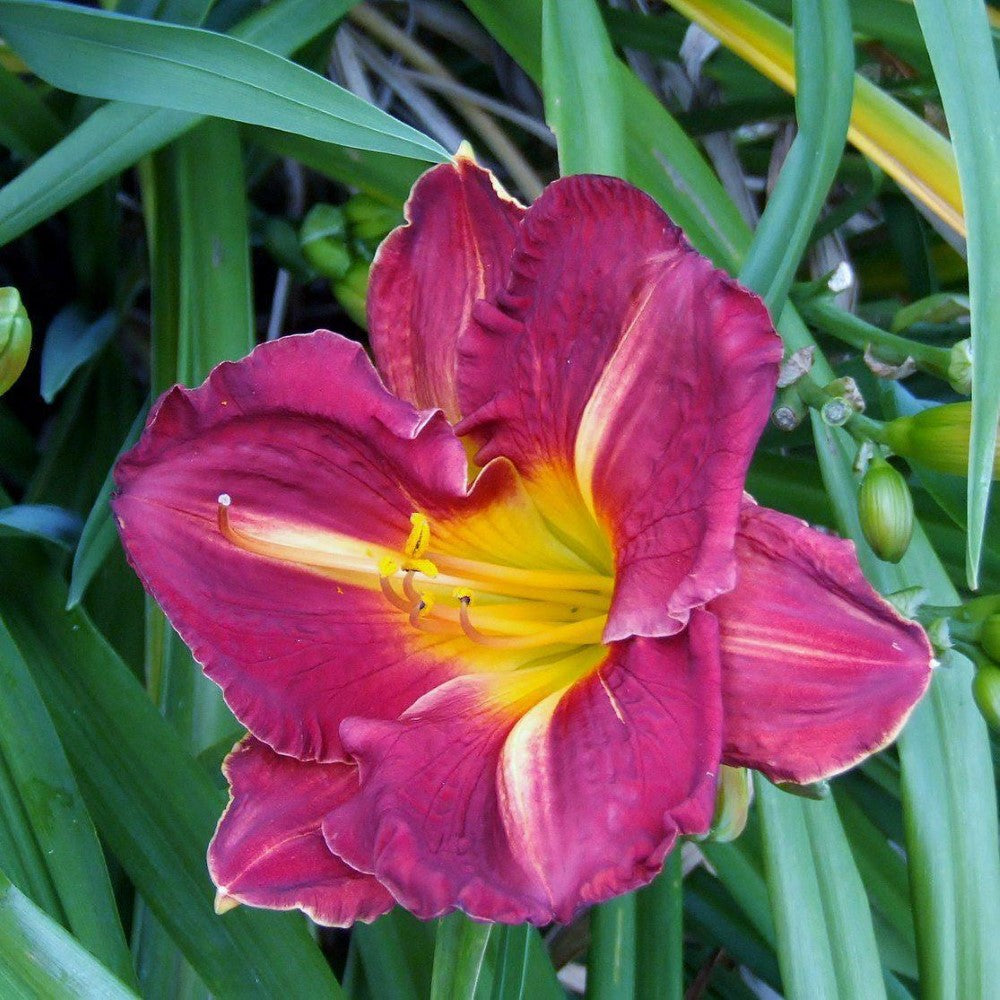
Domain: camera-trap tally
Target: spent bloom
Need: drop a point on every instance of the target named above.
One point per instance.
(495, 620)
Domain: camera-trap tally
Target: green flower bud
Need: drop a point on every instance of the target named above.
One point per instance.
(986, 691)
(352, 291)
(885, 509)
(732, 804)
(979, 608)
(960, 367)
(989, 637)
(15, 337)
(938, 438)
(369, 219)
(323, 240)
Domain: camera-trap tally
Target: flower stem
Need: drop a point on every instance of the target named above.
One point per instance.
(890, 347)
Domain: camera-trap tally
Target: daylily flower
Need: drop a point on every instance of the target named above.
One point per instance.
(504, 685)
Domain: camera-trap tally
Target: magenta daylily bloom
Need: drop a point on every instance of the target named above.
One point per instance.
(507, 696)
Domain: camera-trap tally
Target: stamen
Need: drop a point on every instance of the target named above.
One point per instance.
(588, 631)
(420, 536)
(411, 591)
(420, 618)
(391, 596)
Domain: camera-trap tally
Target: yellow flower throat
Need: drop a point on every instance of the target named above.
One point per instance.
(515, 608)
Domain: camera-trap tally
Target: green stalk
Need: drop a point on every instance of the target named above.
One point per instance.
(890, 347)
(458, 957)
(611, 966)
(659, 934)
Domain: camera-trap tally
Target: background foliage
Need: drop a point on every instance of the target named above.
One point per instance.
(182, 178)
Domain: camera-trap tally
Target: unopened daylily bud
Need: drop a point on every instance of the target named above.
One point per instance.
(986, 691)
(369, 219)
(979, 608)
(15, 337)
(937, 437)
(732, 804)
(989, 637)
(352, 291)
(323, 241)
(960, 367)
(885, 509)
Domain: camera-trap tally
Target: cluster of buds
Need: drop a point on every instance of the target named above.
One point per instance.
(974, 629)
(15, 337)
(339, 244)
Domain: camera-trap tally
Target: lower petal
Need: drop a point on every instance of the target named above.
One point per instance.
(818, 670)
(268, 849)
(521, 798)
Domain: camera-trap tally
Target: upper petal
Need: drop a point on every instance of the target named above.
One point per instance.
(268, 849)
(315, 455)
(426, 276)
(513, 799)
(818, 670)
(621, 365)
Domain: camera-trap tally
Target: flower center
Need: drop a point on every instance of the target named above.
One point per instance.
(490, 604)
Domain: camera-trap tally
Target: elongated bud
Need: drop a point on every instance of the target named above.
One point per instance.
(885, 509)
(370, 220)
(986, 691)
(352, 291)
(323, 238)
(960, 367)
(937, 437)
(15, 337)
(732, 804)
(989, 637)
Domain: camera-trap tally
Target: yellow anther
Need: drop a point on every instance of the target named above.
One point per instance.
(463, 594)
(420, 536)
(388, 567)
(424, 566)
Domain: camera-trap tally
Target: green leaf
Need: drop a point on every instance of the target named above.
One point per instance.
(151, 801)
(99, 536)
(826, 944)
(117, 135)
(458, 957)
(386, 177)
(40, 959)
(60, 823)
(958, 40)
(27, 126)
(43, 520)
(200, 72)
(824, 64)
(949, 798)
(583, 100)
(72, 339)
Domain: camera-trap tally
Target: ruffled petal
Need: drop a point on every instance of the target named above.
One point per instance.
(620, 366)
(318, 457)
(515, 799)
(818, 670)
(268, 849)
(426, 276)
